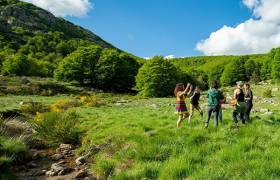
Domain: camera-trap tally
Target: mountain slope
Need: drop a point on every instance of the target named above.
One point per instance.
(21, 16)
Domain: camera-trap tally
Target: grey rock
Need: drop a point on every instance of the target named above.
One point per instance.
(80, 160)
(155, 106)
(81, 174)
(264, 110)
(57, 157)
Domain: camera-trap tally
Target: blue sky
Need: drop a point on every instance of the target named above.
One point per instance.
(177, 27)
(160, 27)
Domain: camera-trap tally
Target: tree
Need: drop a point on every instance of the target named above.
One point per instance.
(234, 72)
(115, 71)
(267, 67)
(250, 67)
(79, 65)
(215, 74)
(157, 78)
(19, 65)
(275, 71)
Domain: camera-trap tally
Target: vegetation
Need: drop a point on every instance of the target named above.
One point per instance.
(157, 78)
(139, 139)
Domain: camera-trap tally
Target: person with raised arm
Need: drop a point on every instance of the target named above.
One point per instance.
(181, 109)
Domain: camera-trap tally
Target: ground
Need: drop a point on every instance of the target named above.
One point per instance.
(138, 138)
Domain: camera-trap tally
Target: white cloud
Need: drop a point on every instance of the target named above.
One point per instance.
(171, 56)
(78, 8)
(256, 35)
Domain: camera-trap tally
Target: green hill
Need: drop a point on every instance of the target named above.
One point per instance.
(21, 18)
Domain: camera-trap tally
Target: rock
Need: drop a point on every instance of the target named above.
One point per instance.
(21, 103)
(59, 169)
(57, 157)
(269, 101)
(66, 170)
(80, 160)
(39, 173)
(275, 89)
(51, 173)
(268, 113)
(119, 104)
(264, 110)
(155, 106)
(56, 167)
(66, 147)
(81, 174)
(32, 165)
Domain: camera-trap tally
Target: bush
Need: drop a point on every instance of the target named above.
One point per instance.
(57, 127)
(157, 78)
(62, 105)
(34, 107)
(267, 93)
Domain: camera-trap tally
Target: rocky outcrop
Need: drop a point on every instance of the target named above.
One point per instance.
(29, 17)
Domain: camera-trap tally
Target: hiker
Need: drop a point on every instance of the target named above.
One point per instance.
(194, 102)
(239, 104)
(214, 96)
(248, 101)
(181, 108)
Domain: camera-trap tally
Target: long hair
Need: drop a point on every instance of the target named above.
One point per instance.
(179, 87)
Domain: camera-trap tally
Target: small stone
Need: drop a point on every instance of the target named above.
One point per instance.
(21, 103)
(155, 106)
(51, 173)
(66, 147)
(65, 171)
(32, 165)
(81, 174)
(39, 173)
(80, 160)
(57, 157)
(264, 110)
(275, 89)
(268, 113)
(118, 104)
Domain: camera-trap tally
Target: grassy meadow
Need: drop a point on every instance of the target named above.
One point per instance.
(130, 137)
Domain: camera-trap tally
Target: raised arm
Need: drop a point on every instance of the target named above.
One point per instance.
(181, 93)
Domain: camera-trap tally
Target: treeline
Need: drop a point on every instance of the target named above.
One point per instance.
(54, 55)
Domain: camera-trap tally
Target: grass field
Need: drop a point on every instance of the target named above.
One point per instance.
(138, 139)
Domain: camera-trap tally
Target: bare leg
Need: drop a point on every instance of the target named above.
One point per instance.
(191, 113)
(180, 119)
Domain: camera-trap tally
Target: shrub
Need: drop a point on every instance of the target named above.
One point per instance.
(62, 105)
(57, 127)
(90, 101)
(267, 93)
(34, 107)
(157, 78)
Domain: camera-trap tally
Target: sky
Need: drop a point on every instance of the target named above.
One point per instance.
(177, 28)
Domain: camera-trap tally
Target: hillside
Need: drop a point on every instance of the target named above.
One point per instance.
(19, 18)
